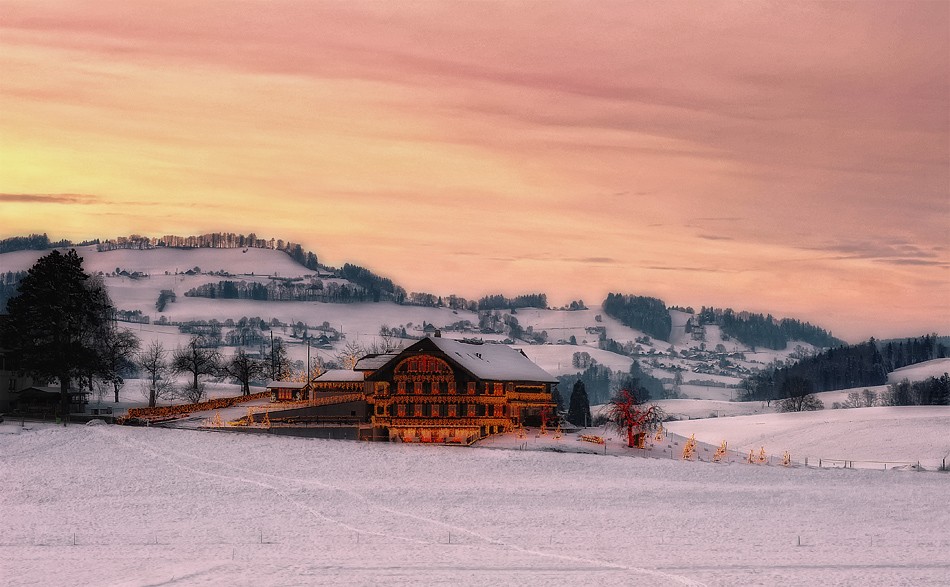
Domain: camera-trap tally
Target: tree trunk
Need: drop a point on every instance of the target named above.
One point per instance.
(64, 398)
(116, 387)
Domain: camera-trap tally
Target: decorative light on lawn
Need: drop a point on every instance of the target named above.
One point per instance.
(720, 452)
(689, 449)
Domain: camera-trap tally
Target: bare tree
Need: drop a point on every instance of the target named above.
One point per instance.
(245, 369)
(196, 359)
(349, 355)
(386, 343)
(154, 362)
(279, 367)
(118, 350)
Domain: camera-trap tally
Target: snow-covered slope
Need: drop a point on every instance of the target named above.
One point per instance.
(920, 371)
(160, 260)
(907, 434)
(104, 505)
(164, 269)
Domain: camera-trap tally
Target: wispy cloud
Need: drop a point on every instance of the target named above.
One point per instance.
(81, 199)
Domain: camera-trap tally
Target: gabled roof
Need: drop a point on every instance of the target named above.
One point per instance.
(373, 362)
(286, 384)
(338, 376)
(493, 362)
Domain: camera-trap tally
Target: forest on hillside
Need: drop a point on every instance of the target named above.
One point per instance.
(844, 367)
(284, 290)
(602, 382)
(758, 330)
(646, 314)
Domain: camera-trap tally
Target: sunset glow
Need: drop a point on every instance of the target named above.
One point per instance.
(787, 157)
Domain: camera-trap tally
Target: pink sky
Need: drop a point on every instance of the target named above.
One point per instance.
(791, 158)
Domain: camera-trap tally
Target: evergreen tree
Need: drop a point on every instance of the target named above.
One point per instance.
(57, 321)
(578, 413)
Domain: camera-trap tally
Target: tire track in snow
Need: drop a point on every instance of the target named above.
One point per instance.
(164, 455)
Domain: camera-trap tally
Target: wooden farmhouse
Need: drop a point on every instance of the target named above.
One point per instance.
(436, 390)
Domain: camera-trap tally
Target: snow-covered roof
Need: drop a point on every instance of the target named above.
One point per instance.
(286, 384)
(373, 362)
(339, 375)
(491, 361)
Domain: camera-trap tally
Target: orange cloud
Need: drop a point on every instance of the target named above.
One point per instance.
(774, 156)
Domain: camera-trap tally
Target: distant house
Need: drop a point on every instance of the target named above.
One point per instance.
(44, 401)
(288, 391)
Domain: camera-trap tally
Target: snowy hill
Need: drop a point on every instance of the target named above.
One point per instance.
(710, 368)
(920, 371)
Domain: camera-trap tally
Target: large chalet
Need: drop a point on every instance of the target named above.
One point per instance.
(437, 390)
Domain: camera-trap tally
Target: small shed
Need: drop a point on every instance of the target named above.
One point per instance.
(288, 391)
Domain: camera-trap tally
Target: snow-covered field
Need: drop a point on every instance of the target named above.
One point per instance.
(920, 371)
(107, 505)
(870, 437)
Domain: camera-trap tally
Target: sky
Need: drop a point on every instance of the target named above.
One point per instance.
(788, 157)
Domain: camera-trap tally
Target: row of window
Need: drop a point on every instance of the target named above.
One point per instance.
(439, 388)
(442, 410)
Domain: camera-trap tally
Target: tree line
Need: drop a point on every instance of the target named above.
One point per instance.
(378, 287)
(842, 367)
(646, 314)
(601, 383)
(500, 302)
(282, 290)
(35, 242)
(758, 330)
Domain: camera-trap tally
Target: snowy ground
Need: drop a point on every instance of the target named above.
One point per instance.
(920, 371)
(107, 505)
(871, 437)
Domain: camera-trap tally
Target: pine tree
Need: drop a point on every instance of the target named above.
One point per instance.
(578, 412)
(57, 321)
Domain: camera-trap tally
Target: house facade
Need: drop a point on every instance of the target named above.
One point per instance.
(447, 391)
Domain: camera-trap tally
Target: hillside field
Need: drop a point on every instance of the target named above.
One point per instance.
(118, 506)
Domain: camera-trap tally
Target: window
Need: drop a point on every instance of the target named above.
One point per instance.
(471, 388)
